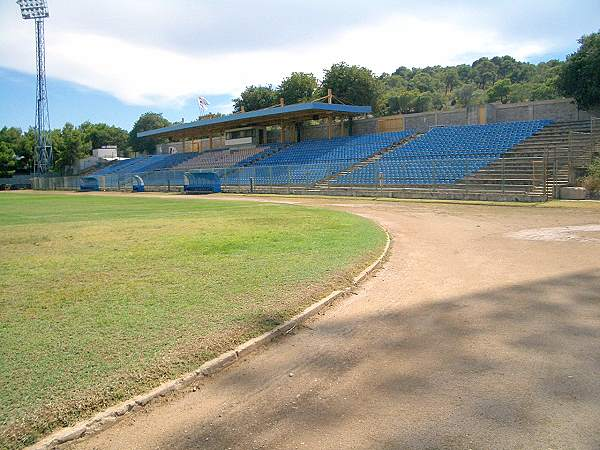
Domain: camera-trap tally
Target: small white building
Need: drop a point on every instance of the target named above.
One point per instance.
(107, 152)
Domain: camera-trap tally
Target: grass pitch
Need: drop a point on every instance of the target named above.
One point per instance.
(103, 297)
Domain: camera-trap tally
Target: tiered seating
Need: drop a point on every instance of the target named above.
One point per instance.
(310, 161)
(264, 153)
(443, 155)
(145, 164)
(220, 158)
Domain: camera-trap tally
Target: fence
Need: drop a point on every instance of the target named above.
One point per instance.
(440, 177)
(595, 132)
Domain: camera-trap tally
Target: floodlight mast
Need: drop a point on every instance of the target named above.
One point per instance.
(38, 11)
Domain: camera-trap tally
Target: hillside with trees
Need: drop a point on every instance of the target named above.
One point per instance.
(498, 79)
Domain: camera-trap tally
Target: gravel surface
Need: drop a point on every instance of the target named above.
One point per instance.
(471, 336)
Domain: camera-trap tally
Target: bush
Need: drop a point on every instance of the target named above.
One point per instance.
(592, 180)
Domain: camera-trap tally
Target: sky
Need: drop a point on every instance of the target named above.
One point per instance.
(112, 60)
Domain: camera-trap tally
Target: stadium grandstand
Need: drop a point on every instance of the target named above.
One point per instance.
(320, 147)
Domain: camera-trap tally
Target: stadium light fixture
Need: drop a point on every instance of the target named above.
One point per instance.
(33, 9)
(43, 155)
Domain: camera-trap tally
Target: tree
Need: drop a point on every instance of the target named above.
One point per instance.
(519, 92)
(24, 151)
(22, 144)
(506, 65)
(544, 91)
(394, 81)
(69, 146)
(101, 134)
(484, 72)
(451, 78)
(499, 91)
(256, 97)
(8, 162)
(298, 87)
(147, 121)
(352, 84)
(401, 101)
(423, 82)
(580, 76)
(423, 102)
(465, 94)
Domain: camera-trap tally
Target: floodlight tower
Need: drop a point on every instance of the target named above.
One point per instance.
(38, 10)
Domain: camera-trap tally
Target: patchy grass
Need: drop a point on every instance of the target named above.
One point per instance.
(102, 298)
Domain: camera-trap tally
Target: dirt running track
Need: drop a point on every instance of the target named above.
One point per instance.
(467, 338)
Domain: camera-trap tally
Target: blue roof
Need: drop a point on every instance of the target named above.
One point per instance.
(268, 113)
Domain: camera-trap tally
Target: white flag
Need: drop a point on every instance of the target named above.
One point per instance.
(203, 103)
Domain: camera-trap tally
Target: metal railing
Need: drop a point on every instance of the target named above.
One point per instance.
(434, 175)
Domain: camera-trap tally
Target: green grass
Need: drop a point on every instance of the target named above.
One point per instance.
(102, 297)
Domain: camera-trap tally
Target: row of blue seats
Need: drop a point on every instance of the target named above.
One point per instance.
(439, 155)
(146, 164)
(323, 156)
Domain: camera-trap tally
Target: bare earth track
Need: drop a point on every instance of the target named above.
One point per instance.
(469, 337)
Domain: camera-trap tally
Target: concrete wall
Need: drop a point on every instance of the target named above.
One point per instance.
(561, 110)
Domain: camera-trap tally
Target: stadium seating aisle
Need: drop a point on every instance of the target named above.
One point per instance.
(444, 155)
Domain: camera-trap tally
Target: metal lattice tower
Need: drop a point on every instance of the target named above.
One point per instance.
(38, 11)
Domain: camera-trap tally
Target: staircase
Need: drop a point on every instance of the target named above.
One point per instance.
(554, 150)
(325, 182)
(267, 153)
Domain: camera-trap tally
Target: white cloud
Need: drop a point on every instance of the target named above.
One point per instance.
(140, 73)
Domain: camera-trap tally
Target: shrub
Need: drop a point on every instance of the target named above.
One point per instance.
(592, 180)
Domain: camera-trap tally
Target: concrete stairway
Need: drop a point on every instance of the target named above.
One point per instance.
(325, 182)
(554, 149)
(267, 153)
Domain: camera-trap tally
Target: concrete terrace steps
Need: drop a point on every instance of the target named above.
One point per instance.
(267, 153)
(325, 183)
(526, 162)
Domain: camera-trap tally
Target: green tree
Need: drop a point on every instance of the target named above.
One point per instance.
(24, 151)
(484, 72)
(8, 162)
(256, 97)
(147, 121)
(298, 87)
(580, 76)
(423, 82)
(21, 144)
(544, 91)
(451, 79)
(101, 134)
(352, 84)
(519, 92)
(423, 102)
(70, 146)
(465, 94)
(499, 91)
(400, 101)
